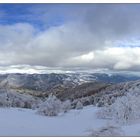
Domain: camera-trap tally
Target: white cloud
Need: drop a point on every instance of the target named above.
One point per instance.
(89, 41)
(118, 58)
(65, 46)
(23, 44)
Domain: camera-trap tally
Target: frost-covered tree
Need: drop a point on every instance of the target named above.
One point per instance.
(17, 103)
(51, 107)
(123, 110)
(79, 105)
(4, 100)
(85, 101)
(20, 100)
(105, 100)
(66, 106)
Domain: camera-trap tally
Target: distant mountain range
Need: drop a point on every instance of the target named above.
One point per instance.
(73, 86)
(45, 82)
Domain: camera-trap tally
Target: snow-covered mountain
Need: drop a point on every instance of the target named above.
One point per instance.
(66, 85)
(47, 81)
(69, 85)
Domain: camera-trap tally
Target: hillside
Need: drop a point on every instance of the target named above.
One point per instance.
(80, 109)
(25, 122)
(36, 88)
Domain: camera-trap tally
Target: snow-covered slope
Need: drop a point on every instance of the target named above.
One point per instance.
(25, 122)
(84, 122)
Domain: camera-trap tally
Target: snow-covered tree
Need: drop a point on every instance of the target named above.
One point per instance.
(20, 100)
(51, 107)
(79, 105)
(17, 103)
(4, 100)
(124, 110)
(66, 105)
(85, 101)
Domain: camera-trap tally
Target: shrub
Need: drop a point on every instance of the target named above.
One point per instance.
(4, 100)
(79, 105)
(66, 105)
(51, 107)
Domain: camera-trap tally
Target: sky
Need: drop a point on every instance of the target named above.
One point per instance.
(70, 36)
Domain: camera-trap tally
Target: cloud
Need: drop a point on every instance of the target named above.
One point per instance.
(119, 58)
(100, 37)
(113, 21)
(115, 58)
(23, 44)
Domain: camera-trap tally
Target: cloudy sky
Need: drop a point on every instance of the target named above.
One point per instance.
(70, 36)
